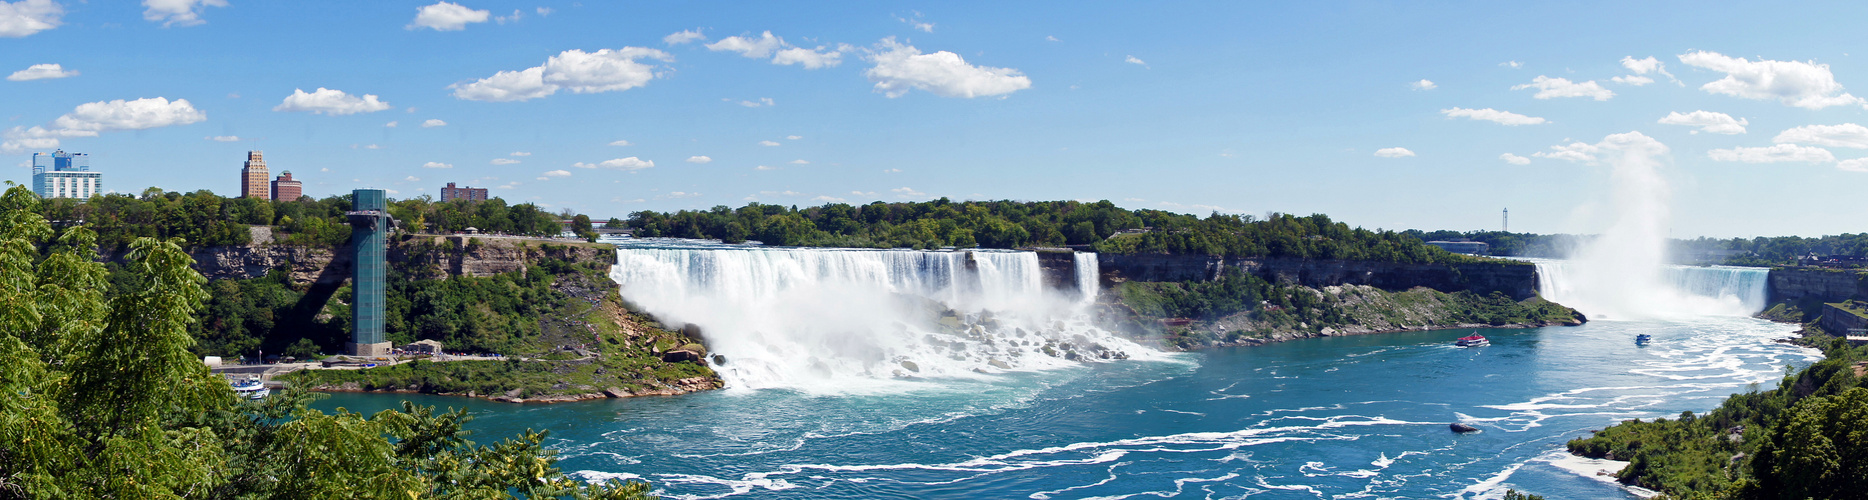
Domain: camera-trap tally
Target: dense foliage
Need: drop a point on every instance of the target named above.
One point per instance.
(1806, 439)
(202, 218)
(101, 398)
(1012, 224)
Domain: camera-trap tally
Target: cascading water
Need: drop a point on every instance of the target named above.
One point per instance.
(1681, 291)
(839, 320)
(1089, 274)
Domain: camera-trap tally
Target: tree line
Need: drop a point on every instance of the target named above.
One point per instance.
(1014, 224)
(100, 397)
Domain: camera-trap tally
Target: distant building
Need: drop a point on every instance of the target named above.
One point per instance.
(65, 175)
(286, 188)
(254, 182)
(450, 193)
(1465, 247)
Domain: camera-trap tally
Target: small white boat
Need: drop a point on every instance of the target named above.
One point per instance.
(1475, 340)
(251, 388)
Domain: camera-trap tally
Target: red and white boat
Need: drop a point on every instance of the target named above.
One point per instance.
(1476, 340)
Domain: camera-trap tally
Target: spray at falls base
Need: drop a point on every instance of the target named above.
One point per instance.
(843, 320)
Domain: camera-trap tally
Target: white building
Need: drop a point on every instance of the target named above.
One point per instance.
(65, 175)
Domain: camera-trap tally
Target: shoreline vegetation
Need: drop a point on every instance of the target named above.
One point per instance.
(103, 399)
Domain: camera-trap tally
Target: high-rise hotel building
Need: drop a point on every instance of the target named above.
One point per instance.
(65, 175)
(285, 188)
(254, 183)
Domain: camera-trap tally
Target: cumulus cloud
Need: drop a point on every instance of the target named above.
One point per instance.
(178, 12)
(1548, 88)
(89, 119)
(1847, 135)
(436, 164)
(434, 122)
(1643, 67)
(768, 143)
(1708, 121)
(1581, 152)
(1576, 151)
(605, 70)
(330, 102)
(1423, 84)
(782, 53)
(444, 16)
(699, 159)
(1492, 115)
(1853, 165)
(1773, 154)
(907, 192)
(505, 161)
(584, 165)
(630, 163)
(412, 179)
(1135, 61)
(1794, 83)
(900, 68)
(25, 17)
(223, 138)
(1514, 159)
(41, 72)
(1393, 152)
(684, 36)
(1634, 80)
(558, 173)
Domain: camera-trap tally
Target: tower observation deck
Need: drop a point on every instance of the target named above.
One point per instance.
(369, 227)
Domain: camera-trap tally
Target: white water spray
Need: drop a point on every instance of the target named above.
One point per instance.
(1624, 273)
(843, 320)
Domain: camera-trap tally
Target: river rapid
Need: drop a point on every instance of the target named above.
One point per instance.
(1343, 417)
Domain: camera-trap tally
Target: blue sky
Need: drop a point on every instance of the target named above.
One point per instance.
(1243, 107)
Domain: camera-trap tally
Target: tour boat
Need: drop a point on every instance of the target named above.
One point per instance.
(251, 388)
(1642, 339)
(1475, 340)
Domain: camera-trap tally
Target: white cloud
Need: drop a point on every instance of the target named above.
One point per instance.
(1853, 165)
(25, 17)
(514, 17)
(392, 191)
(1548, 88)
(436, 164)
(1393, 153)
(605, 70)
(621, 142)
(1492, 115)
(391, 124)
(892, 171)
(1135, 61)
(444, 16)
(558, 173)
(544, 11)
(412, 179)
(1627, 142)
(519, 153)
(1576, 152)
(768, 143)
(330, 102)
(1708, 121)
(1514, 159)
(699, 159)
(1847, 135)
(178, 12)
(762, 102)
(584, 165)
(1512, 64)
(505, 161)
(41, 72)
(372, 146)
(917, 23)
(900, 68)
(677, 194)
(1773, 154)
(793, 137)
(224, 138)
(630, 163)
(1632, 80)
(1423, 84)
(434, 122)
(90, 118)
(684, 36)
(1793, 83)
(828, 199)
(907, 192)
(799, 161)
(1050, 38)
(782, 53)
(763, 167)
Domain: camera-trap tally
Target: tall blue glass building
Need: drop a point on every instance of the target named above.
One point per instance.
(59, 174)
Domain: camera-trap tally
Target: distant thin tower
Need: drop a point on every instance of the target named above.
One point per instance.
(1507, 223)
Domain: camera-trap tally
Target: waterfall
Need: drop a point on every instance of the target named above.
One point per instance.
(840, 320)
(1681, 291)
(1089, 275)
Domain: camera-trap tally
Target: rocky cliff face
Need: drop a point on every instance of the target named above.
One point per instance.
(1788, 284)
(1518, 280)
(424, 256)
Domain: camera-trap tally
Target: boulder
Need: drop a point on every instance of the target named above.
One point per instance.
(616, 392)
(1462, 428)
(999, 364)
(681, 355)
(911, 366)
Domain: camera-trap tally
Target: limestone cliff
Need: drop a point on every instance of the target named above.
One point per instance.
(1516, 279)
(429, 256)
